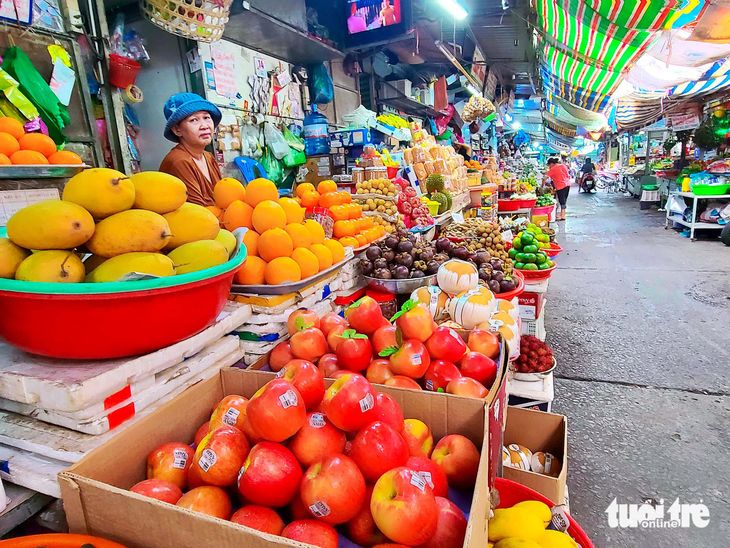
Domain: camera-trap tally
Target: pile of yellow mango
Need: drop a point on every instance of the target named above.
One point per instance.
(524, 526)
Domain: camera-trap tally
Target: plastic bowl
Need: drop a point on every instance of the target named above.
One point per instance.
(61, 540)
(510, 493)
(537, 274)
(543, 210)
(508, 205)
(528, 203)
(509, 295)
(554, 250)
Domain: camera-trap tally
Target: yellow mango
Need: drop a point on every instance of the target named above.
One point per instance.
(112, 269)
(101, 191)
(516, 543)
(52, 224)
(92, 261)
(227, 239)
(199, 255)
(515, 523)
(128, 232)
(540, 509)
(557, 539)
(11, 256)
(191, 223)
(158, 192)
(53, 266)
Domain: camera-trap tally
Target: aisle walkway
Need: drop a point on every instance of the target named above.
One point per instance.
(639, 318)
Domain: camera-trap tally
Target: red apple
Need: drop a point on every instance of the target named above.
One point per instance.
(280, 356)
(158, 489)
(342, 372)
(432, 473)
(451, 527)
(458, 457)
(378, 448)
(333, 337)
(307, 379)
(276, 412)
(479, 367)
(298, 510)
(388, 411)
(350, 402)
(411, 359)
(418, 437)
(364, 315)
(219, 457)
(247, 429)
(209, 500)
(390, 545)
(362, 529)
(313, 532)
(170, 462)
(378, 371)
(302, 319)
(446, 344)
(316, 439)
(439, 374)
(354, 350)
(415, 321)
(466, 386)
(308, 344)
(331, 320)
(402, 381)
(260, 518)
(404, 508)
(383, 338)
(201, 433)
(270, 476)
(327, 365)
(333, 489)
(484, 342)
(229, 412)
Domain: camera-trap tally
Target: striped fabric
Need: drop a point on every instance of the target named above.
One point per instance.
(703, 86)
(637, 14)
(580, 74)
(583, 98)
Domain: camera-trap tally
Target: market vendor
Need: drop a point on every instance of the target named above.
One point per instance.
(560, 176)
(191, 121)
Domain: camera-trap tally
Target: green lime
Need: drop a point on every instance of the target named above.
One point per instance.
(519, 266)
(512, 253)
(543, 266)
(527, 238)
(540, 259)
(530, 266)
(520, 257)
(530, 249)
(517, 243)
(529, 257)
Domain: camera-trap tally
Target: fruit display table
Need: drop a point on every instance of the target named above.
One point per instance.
(694, 224)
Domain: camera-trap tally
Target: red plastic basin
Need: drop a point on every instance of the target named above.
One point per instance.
(508, 205)
(537, 274)
(554, 250)
(509, 295)
(111, 325)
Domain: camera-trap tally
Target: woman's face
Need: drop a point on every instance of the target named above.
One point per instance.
(196, 130)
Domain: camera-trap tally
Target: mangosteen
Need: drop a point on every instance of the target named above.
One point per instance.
(443, 244)
(487, 266)
(406, 260)
(483, 257)
(420, 265)
(432, 267)
(426, 255)
(380, 263)
(472, 258)
(496, 264)
(389, 255)
(400, 272)
(460, 253)
(366, 267)
(383, 274)
(373, 252)
(440, 258)
(484, 275)
(507, 285)
(417, 274)
(493, 286)
(405, 246)
(391, 242)
(498, 275)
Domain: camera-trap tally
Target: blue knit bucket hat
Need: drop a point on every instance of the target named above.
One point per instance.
(181, 105)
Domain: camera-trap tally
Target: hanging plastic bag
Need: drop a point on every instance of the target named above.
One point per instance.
(251, 141)
(275, 141)
(274, 168)
(292, 140)
(321, 85)
(296, 156)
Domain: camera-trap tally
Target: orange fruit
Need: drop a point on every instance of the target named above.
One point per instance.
(227, 191)
(345, 197)
(252, 272)
(339, 212)
(371, 234)
(381, 231)
(268, 214)
(307, 261)
(328, 200)
(326, 186)
(65, 158)
(251, 241)
(259, 190)
(367, 222)
(215, 210)
(362, 240)
(337, 250)
(310, 199)
(316, 230)
(12, 126)
(339, 229)
(351, 228)
(8, 144)
(237, 215)
(4, 160)
(349, 241)
(299, 234)
(304, 187)
(38, 142)
(355, 211)
(361, 223)
(275, 243)
(324, 255)
(28, 158)
(294, 212)
(282, 270)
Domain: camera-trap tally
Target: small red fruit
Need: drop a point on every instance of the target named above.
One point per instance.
(415, 321)
(308, 344)
(354, 350)
(365, 315)
(383, 338)
(309, 318)
(331, 320)
(280, 356)
(446, 344)
(439, 374)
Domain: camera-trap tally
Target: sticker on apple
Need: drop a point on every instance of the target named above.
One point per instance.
(417, 359)
(319, 509)
(180, 459)
(367, 403)
(427, 476)
(317, 420)
(418, 480)
(288, 399)
(231, 416)
(207, 459)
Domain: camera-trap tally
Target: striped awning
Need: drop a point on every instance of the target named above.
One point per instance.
(579, 74)
(648, 14)
(701, 87)
(583, 98)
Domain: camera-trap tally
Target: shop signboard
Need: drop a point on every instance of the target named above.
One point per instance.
(490, 89)
(478, 67)
(681, 122)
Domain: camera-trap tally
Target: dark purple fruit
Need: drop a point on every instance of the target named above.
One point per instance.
(389, 255)
(443, 244)
(496, 264)
(498, 275)
(366, 267)
(483, 257)
(507, 285)
(432, 267)
(460, 253)
(420, 265)
(400, 272)
(405, 246)
(440, 258)
(405, 259)
(417, 274)
(391, 242)
(484, 275)
(426, 255)
(493, 286)
(383, 274)
(380, 263)
(373, 252)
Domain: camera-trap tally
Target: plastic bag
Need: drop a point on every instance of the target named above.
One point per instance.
(251, 141)
(675, 204)
(274, 168)
(321, 85)
(292, 140)
(275, 141)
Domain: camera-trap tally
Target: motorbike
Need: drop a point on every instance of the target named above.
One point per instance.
(587, 183)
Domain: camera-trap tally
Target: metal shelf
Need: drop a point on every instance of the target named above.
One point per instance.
(682, 222)
(702, 196)
(408, 105)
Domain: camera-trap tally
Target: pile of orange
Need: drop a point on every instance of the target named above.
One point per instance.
(20, 148)
(351, 228)
(282, 247)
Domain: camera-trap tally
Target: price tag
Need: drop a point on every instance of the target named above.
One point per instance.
(507, 236)
(231, 416)
(417, 359)
(319, 509)
(180, 459)
(288, 399)
(418, 480)
(458, 217)
(427, 477)
(207, 459)
(367, 403)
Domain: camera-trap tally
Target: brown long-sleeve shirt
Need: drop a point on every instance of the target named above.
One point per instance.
(180, 163)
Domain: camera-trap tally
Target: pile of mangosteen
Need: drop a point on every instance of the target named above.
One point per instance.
(400, 256)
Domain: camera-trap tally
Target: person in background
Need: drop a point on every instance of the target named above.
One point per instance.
(356, 22)
(560, 176)
(588, 167)
(191, 121)
(387, 13)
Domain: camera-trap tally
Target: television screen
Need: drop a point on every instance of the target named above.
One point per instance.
(367, 15)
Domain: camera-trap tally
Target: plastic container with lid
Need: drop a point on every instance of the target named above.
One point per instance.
(388, 303)
(316, 133)
(358, 174)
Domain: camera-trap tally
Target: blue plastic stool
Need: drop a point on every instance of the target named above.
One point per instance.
(247, 166)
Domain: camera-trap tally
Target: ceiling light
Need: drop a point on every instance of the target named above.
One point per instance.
(516, 125)
(453, 7)
(508, 117)
(472, 89)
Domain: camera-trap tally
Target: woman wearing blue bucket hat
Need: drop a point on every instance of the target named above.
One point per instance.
(191, 121)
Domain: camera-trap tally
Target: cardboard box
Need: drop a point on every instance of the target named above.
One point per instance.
(538, 431)
(97, 500)
(541, 220)
(531, 305)
(318, 168)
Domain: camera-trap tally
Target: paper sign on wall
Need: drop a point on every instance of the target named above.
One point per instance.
(259, 67)
(17, 10)
(224, 72)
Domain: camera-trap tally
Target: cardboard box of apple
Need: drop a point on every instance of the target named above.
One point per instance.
(321, 464)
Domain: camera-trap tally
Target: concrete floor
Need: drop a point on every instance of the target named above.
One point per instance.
(639, 318)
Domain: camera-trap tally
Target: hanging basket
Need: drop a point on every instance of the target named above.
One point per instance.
(201, 20)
